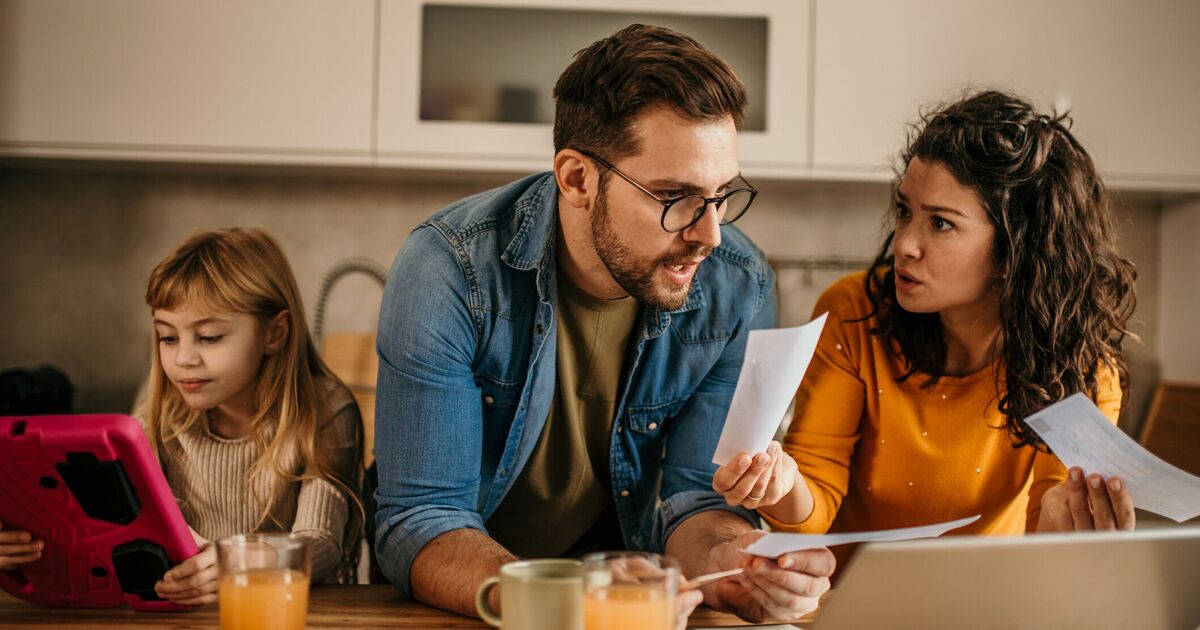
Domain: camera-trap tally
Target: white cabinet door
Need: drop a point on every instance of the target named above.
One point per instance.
(268, 80)
(1129, 71)
(467, 83)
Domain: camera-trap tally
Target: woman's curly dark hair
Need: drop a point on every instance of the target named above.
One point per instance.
(1067, 294)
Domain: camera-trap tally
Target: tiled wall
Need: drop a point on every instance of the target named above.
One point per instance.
(77, 244)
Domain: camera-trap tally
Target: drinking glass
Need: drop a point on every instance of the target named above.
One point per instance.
(629, 591)
(264, 582)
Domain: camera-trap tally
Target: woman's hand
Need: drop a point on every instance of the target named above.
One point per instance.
(194, 581)
(1086, 503)
(759, 480)
(18, 547)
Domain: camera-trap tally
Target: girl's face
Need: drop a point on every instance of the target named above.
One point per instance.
(213, 359)
(943, 244)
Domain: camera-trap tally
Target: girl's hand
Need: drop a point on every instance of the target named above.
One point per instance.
(759, 480)
(1084, 505)
(194, 581)
(18, 547)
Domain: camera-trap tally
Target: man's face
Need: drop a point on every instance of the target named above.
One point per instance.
(677, 156)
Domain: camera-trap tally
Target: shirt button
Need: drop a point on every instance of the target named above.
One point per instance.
(624, 493)
(619, 427)
(538, 329)
(652, 426)
(488, 400)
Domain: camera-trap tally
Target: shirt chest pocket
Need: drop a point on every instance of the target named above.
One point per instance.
(652, 419)
(499, 402)
(498, 398)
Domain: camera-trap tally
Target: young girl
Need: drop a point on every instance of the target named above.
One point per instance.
(253, 431)
(999, 292)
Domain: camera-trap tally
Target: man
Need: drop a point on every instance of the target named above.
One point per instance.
(558, 355)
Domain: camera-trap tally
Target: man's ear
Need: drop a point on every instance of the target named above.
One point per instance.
(577, 177)
(277, 332)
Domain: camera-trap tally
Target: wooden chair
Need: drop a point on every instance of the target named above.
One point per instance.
(351, 357)
(1172, 427)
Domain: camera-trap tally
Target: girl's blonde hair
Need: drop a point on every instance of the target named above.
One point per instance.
(243, 270)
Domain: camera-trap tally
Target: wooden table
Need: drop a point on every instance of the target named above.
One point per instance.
(376, 606)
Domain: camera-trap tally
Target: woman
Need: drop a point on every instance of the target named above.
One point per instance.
(999, 292)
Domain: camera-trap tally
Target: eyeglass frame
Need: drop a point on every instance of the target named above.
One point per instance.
(667, 203)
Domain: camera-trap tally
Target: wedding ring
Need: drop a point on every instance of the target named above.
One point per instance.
(757, 498)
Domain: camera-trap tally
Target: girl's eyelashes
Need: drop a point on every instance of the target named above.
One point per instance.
(902, 211)
(171, 340)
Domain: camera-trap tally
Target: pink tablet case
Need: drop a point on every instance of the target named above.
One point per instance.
(90, 487)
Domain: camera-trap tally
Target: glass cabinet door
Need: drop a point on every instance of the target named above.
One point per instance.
(513, 56)
(469, 84)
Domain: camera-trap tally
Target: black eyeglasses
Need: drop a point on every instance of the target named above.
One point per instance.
(681, 213)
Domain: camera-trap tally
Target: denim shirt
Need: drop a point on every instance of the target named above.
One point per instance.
(467, 352)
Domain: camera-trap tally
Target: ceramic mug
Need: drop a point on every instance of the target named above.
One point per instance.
(535, 595)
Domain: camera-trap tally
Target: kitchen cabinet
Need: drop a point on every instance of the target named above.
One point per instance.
(466, 84)
(1127, 70)
(279, 81)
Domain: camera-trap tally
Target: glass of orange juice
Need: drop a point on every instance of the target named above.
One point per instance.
(628, 590)
(264, 582)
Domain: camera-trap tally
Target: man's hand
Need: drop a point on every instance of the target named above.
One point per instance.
(685, 604)
(1079, 504)
(783, 589)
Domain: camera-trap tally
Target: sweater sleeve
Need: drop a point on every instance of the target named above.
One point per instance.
(1048, 471)
(323, 510)
(829, 407)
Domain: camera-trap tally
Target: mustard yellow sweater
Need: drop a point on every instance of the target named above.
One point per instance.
(878, 454)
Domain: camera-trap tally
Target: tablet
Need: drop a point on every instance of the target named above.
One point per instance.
(91, 488)
(1147, 579)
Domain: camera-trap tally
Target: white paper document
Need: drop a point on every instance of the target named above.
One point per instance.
(774, 545)
(1080, 435)
(775, 362)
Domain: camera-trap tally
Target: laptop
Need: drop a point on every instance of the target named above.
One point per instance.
(1146, 579)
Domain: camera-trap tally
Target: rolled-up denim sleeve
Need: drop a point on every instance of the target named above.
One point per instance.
(427, 410)
(687, 467)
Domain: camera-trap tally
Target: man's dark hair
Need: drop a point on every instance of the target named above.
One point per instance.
(614, 79)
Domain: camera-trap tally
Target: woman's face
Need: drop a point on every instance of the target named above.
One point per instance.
(943, 243)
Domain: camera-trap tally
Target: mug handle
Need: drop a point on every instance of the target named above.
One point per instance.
(482, 606)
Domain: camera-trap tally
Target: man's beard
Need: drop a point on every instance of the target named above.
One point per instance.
(635, 277)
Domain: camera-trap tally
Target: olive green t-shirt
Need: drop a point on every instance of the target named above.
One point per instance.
(564, 489)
